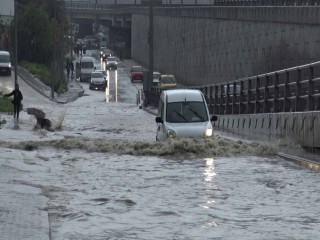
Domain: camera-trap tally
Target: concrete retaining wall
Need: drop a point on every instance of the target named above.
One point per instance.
(217, 44)
(303, 127)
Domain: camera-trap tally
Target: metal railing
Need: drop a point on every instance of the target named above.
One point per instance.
(106, 4)
(294, 89)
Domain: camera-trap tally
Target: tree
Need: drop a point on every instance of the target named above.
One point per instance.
(35, 35)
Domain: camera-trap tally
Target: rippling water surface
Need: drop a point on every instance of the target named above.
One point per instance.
(108, 196)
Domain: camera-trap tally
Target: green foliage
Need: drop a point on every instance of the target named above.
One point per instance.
(45, 75)
(35, 35)
(5, 105)
(40, 70)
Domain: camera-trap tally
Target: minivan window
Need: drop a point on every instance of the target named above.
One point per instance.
(136, 69)
(179, 112)
(87, 64)
(168, 79)
(4, 58)
(97, 75)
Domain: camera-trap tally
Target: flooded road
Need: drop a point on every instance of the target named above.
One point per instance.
(105, 177)
(115, 196)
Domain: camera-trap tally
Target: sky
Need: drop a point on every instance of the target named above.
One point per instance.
(7, 7)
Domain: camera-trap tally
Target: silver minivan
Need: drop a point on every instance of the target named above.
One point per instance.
(183, 113)
(5, 63)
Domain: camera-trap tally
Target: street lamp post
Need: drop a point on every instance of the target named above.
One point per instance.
(150, 41)
(15, 43)
(54, 51)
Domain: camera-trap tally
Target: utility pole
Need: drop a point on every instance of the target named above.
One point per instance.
(150, 41)
(54, 50)
(62, 8)
(15, 43)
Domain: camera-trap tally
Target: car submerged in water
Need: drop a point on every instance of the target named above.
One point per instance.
(183, 113)
(98, 81)
(111, 63)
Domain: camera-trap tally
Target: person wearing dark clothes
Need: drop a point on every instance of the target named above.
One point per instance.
(68, 69)
(17, 98)
(71, 68)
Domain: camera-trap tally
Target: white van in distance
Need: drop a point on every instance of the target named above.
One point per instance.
(87, 66)
(183, 113)
(5, 63)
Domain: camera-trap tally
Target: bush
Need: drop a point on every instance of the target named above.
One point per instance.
(6, 105)
(45, 76)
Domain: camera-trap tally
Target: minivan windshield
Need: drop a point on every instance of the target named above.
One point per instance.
(168, 79)
(87, 65)
(4, 58)
(184, 112)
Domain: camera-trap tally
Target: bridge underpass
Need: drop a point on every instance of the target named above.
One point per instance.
(208, 46)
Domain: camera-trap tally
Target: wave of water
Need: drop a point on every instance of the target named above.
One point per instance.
(217, 147)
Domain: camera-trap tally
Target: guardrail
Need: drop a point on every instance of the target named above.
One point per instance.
(106, 4)
(294, 89)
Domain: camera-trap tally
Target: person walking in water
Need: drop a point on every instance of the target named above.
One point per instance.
(17, 98)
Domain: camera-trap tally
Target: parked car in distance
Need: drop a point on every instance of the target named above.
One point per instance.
(183, 113)
(5, 63)
(111, 63)
(156, 77)
(97, 81)
(167, 81)
(136, 73)
(105, 54)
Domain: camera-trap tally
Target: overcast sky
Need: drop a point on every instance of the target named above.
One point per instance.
(6, 7)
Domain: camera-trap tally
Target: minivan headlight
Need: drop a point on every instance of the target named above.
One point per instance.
(209, 132)
(171, 134)
(9, 65)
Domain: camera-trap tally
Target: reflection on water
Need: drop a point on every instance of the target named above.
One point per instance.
(108, 87)
(209, 170)
(112, 89)
(116, 85)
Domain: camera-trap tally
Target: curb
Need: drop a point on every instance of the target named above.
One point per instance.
(303, 162)
(32, 82)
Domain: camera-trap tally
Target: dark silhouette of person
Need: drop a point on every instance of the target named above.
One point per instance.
(71, 68)
(17, 98)
(68, 68)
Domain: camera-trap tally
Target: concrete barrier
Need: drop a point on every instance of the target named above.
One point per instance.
(303, 127)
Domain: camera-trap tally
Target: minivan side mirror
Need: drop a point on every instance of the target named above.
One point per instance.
(214, 118)
(159, 120)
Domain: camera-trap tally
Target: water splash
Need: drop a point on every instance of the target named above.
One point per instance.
(217, 147)
(57, 124)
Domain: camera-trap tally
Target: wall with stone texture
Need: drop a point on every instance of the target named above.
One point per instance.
(217, 44)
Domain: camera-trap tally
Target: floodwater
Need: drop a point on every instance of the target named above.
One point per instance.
(105, 176)
(94, 195)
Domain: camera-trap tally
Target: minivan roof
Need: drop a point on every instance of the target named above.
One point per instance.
(179, 95)
(4, 53)
(87, 59)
